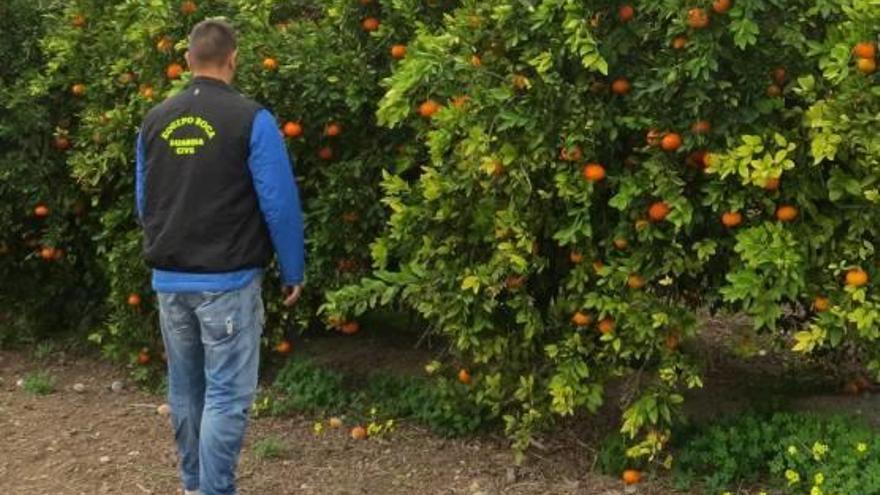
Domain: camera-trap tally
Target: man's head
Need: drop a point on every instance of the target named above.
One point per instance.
(212, 50)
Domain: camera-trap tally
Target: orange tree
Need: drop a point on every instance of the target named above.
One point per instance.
(316, 65)
(593, 172)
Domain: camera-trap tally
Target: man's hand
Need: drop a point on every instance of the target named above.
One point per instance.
(292, 294)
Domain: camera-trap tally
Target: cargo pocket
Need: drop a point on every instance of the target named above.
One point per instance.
(220, 317)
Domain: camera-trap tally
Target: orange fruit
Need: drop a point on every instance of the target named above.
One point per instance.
(697, 18)
(41, 211)
(866, 65)
(772, 184)
(641, 224)
(865, 49)
(188, 7)
(350, 327)
(581, 319)
(631, 477)
(476, 61)
(701, 127)
(774, 91)
(679, 42)
(464, 376)
(520, 81)
(78, 20)
(594, 172)
(821, 304)
(147, 92)
(165, 44)
(635, 281)
(143, 357)
(78, 89)
(598, 266)
(334, 422)
(325, 153)
(497, 168)
(721, 6)
(606, 326)
(658, 211)
(134, 300)
(460, 101)
(626, 13)
(672, 341)
(370, 24)
(47, 253)
(576, 257)
(358, 433)
(293, 129)
(174, 71)
(671, 142)
(333, 129)
(429, 108)
(620, 243)
(653, 137)
(398, 52)
(284, 347)
(515, 282)
(621, 86)
(270, 64)
(857, 277)
(779, 75)
(786, 213)
(697, 159)
(731, 219)
(572, 154)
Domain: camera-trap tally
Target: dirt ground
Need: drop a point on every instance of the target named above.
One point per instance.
(99, 441)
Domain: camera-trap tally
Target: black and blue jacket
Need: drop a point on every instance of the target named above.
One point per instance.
(215, 192)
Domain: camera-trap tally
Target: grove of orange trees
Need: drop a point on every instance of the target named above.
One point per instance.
(556, 187)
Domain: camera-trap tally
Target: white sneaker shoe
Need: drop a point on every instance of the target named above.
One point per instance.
(194, 492)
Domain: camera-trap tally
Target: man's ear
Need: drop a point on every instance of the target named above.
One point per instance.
(188, 62)
(233, 60)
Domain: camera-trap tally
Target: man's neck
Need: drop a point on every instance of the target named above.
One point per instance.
(226, 78)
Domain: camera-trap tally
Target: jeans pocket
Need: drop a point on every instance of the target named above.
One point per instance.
(220, 316)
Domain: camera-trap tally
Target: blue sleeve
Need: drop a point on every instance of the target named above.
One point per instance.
(278, 196)
(139, 177)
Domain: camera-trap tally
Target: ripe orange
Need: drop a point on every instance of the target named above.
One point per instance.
(325, 153)
(635, 281)
(520, 81)
(78, 89)
(653, 137)
(515, 282)
(134, 300)
(865, 49)
(41, 211)
(270, 64)
(606, 326)
(857, 277)
(731, 219)
(721, 6)
(672, 341)
(78, 20)
(701, 127)
(293, 129)
(774, 91)
(165, 44)
(772, 184)
(866, 65)
(47, 253)
(476, 61)
(188, 7)
(581, 319)
(334, 422)
(786, 213)
(350, 327)
(621, 86)
(572, 154)
(174, 71)
(620, 243)
(460, 101)
(358, 433)
(626, 13)
(594, 172)
(821, 304)
(143, 357)
(671, 142)
(333, 129)
(147, 92)
(679, 42)
(284, 347)
(429, 108)
(697, 159)
(497, 168)
(370, 24)
(398, 52)
(697, 18)
(658, 211)
(779, 75)
(576, 257)
(464, 376)
(631, 477)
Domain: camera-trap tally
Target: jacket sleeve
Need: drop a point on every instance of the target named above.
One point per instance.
(278, 196)
(140, 159)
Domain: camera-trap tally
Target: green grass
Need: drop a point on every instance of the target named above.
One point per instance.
(39, 383)
(269, 448)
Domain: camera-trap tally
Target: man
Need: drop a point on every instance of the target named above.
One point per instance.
(215, 193)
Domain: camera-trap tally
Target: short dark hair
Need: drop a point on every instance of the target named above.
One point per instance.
(211, 42)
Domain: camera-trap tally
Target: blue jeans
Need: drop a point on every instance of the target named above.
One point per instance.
(212, 340)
